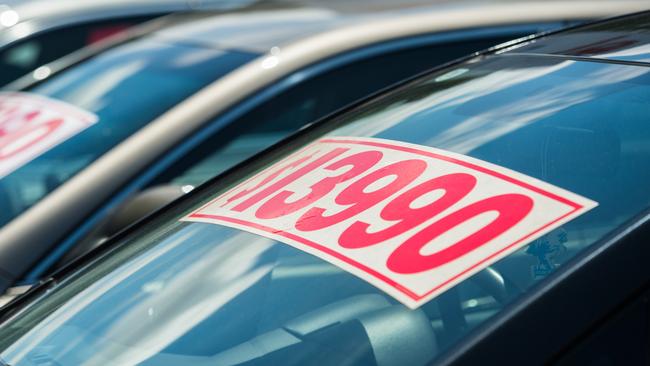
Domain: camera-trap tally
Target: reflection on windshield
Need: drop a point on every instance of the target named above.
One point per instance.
(203, 294)
(92, 95)
(225, 272)
(504, 119)
(126, 87)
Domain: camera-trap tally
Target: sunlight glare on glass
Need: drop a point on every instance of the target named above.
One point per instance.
(42, 73)
(9, 18)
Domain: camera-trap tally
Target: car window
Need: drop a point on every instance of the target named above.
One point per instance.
(126, 87)
(26, 55)
(179, 292)
(307, 102)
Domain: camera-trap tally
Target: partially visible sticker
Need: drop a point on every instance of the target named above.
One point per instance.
(30, 125)
(547, 249)
(411, 220)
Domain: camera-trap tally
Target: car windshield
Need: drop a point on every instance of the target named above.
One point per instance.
(119, 90)
(196, 293)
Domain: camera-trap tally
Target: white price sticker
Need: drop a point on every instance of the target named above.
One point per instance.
(411, 220)
(30, 125)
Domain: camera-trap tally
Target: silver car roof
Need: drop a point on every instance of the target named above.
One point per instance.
(257, 31)
(261, 31)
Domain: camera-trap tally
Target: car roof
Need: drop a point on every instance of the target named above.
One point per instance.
(256, 31)
(624, 39)
(261, 31)
(89, 189)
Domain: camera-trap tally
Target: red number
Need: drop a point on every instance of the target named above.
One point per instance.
(266, 180)
(288, 179)
(407, 259)
(277, 206)
(455, 186)
(404, 171)
(11, 145)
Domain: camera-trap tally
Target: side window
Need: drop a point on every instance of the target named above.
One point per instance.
(622, 339)
(29, 54)
(307, 102)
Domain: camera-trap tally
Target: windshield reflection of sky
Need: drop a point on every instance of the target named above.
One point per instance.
(514, 105)
(135, 53)
(90, 95)
(200, 289)
(202, 280)
(86, 298)
(126, 86)
(565, 122)
(495, 122)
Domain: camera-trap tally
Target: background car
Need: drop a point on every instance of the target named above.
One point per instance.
(221, 276)
(36, 32)
(314, 62)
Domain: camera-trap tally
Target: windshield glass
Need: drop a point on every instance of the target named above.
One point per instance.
(123, 88)
(194, 293)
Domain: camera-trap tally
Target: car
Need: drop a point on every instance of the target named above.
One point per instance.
(490, 211)
(312, 63)
(36, 32)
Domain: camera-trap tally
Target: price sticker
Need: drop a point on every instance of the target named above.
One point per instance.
(411, 220)
(31, 125)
